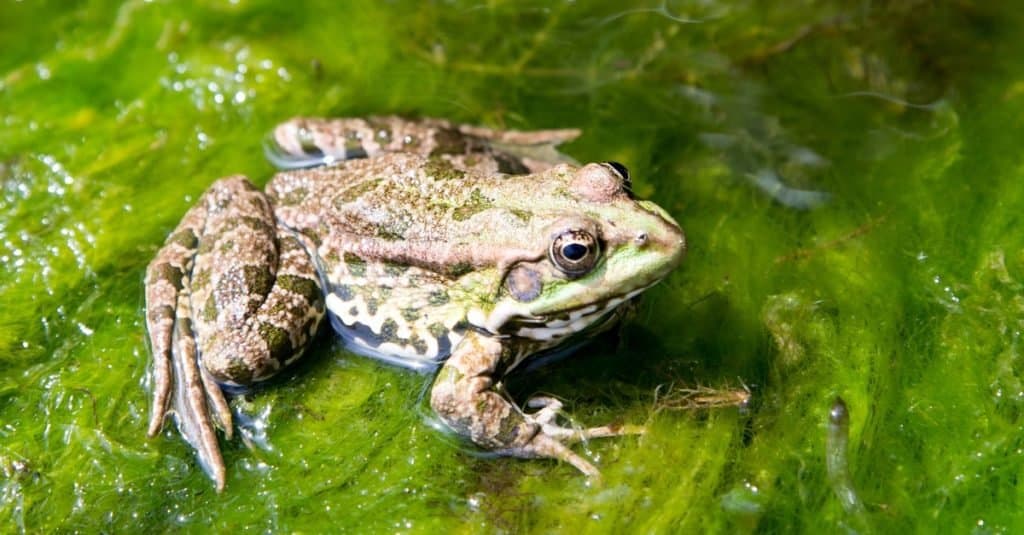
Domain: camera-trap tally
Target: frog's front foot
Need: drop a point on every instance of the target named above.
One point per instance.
(231, 298)
(465, 398)
(550, 408)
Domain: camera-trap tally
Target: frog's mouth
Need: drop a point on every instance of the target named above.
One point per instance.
(561, 334)
(557, 327)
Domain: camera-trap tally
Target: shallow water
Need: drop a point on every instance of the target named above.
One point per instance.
(848, 175)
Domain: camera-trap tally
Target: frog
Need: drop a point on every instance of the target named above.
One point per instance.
(446, 248)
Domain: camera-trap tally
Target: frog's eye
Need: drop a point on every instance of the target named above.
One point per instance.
(619, 169)
(574, 252)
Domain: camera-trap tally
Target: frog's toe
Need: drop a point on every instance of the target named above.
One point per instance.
(543, 445)
(161, 393)
(218, 403)
(549, 409)
(193, 397)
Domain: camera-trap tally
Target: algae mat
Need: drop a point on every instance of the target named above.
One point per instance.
(848, 174)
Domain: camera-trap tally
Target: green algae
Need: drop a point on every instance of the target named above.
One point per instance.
(901, 293)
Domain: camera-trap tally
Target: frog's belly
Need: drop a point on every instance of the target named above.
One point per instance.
(419, 345)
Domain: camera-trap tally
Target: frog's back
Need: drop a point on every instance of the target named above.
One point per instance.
(400, 262)
(414, 251)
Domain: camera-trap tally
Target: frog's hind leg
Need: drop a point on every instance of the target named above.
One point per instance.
(303, 142)
(175, 365)
(536, 149)
(248, 302)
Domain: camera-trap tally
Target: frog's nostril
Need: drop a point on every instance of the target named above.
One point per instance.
(640, 239)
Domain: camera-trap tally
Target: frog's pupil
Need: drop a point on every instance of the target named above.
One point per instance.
(574, 251)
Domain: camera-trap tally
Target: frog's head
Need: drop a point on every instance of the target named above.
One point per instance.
(602, 247)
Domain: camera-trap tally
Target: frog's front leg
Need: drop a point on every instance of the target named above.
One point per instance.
(231, 298)
(467, 400)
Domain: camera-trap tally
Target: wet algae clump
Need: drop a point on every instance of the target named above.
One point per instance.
(848, 176)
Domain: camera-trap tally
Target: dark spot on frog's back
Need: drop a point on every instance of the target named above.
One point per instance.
(207, 244)
(523, 215)
(258, 279)
(292, 197)
(200, 278)
(441, 169)
(476, 203)
(350, 194)
(390, 234)
(278, 343)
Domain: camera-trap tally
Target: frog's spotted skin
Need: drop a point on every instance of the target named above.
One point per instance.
(422, 254)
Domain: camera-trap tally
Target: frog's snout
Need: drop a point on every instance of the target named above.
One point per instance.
(661, 233)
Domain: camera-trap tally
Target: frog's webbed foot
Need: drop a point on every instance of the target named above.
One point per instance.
(465, 397)
(551, 408)
(231, 298)
(553, 440)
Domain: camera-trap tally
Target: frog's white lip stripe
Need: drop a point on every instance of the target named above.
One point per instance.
(540, 328)
(578, 320)
(507, 312)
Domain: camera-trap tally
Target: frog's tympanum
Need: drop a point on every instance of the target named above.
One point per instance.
(429, 245)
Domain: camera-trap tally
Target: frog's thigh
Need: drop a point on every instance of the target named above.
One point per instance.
(256, 297)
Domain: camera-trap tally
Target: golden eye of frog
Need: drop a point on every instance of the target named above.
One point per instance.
(430, 245)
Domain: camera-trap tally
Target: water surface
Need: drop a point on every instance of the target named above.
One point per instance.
(848, 174)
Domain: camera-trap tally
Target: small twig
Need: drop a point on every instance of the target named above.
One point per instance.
(701, 397)
(804, 254)
(788, 44)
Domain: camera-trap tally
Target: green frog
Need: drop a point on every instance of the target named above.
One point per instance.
(440, 247)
